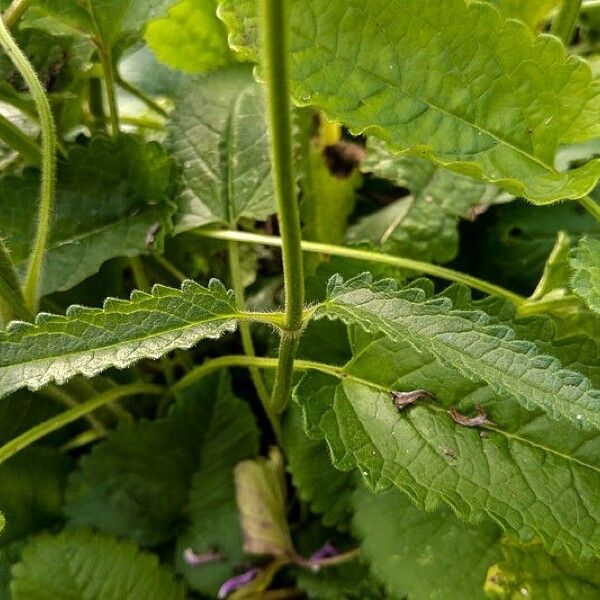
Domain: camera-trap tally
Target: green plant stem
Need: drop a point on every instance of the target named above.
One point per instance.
(370, 256)
(96, 103)
(140, 95)
(12, 302)
(12, 15)
(275, 34)
(49, 144)
(245, 333)
(564, 24)
(591, 206)
(73, 414)
(109, 79)
(62, 397)
(169, 268)
(17, 140)
(544, 306)
(590, 5)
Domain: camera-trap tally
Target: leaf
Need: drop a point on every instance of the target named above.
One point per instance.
(531, 12)
(31, 493)
(89, 340)
(530, 572)
(555, 278)
(137, 483)
(315, 479)
(80, 564)
(423, 225)
(465, 100)
(423, 555)
(230, 436)
(470, 342)
(533, 476)
(190, 38)
(218, 133)
(586, 277)
(260, 495)
(10, 289)
(110, 193)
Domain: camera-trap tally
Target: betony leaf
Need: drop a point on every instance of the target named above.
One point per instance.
(461, 85)
(110, 193)
(470, 342)
(586, 276)
(423, 555)
(89, 340)
(531, 12)
(218, 133)
(190, 38)
(80, 564)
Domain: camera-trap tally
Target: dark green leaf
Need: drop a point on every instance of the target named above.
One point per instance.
(586, 275)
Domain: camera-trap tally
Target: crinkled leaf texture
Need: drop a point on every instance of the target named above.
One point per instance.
(534, 476)
(531, 12)
(423, 555)
(218, 133)
(89, 340)
(461, 85)
(142, 485)
(586, 276)
(80, 565)
(110, 193)
(468, 341)
(190, 38)
(423, 225)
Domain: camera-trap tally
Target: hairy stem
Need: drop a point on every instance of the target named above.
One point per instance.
(22, 143)
(376, 257)
(12, 15)
(49, 144)
(245, 333)
(591, 206)
(564, 24)
(140, 95)
(274, 19)
(81, 410)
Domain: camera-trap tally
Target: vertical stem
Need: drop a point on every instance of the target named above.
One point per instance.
(591, 206)
(109, 78)
(49, 143)
(564, 24)
(274, 14)
(96, 103)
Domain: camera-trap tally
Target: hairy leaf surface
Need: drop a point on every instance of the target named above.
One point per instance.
(423, 555)
(537, 478)
(110, 194)
(586, 276)
(80, 564)
(470, 342)
(482, 96)
(218, 133)
(89, 340)
(190, 38)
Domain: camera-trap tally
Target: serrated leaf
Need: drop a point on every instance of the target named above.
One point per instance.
(31, 491)
(260, 496)
(230, 436)
(586, 276)
(470, 342)
(89, 340)
(555, 278)
(529, 572)
(327, 490)
(534, 476)
(423, 555)
(190, 38)
(110, 193)
(356, 61)
(423, 225)
(80, 565)
(531, 12)
(218, 133)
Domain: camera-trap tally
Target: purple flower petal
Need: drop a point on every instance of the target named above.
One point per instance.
(237, 582)
(195, 560)
(327, 551)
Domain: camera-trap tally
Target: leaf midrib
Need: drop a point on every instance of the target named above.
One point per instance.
(394, 87)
